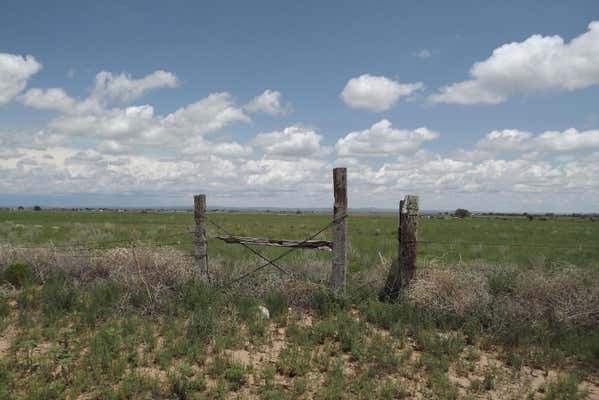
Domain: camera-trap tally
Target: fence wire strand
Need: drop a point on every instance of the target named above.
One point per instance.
(91, 247)
(280, 256)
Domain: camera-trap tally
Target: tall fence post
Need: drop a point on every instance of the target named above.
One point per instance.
(199, 213)
(339, 230)
(402, 269)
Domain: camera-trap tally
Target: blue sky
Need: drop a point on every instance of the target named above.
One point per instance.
(292, 89)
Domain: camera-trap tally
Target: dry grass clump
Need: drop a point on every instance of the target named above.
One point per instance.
(568, 294)
(153, 273)
(159, 272)
(451, 290)
(299, 281)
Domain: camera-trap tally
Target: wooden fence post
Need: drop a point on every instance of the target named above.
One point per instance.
(339, 230)
(199, 213)
(402, 269)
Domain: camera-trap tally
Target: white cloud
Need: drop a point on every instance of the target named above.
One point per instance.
(52, 99)
(538, 64)
(198, 147)
(269, 102)
(112, 147)
(97, 148)
(116, 123)
(141, 124)
(549, 141)
(286, 174)
(15, 70)
(123, 88)
(568, 140)
(505, 140)
(376, 93)
(207, 115)
(382, 140)
(293, 142)
(424, 53)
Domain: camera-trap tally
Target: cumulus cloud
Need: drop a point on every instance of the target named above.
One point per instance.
(433, 173)
(286, 174)
(140, 123)
(537, 64)
(209, 114)
(123, 88)
(198, 147)
(505, 140)
(376, 93)
(381, 139)
(112, 147)
(71, 170)
(549, 141)
(269, 102)
(52, 99)
(292, 142)
(15, 70)
(120, 131)
(96, 147)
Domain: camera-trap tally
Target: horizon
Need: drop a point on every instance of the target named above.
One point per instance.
(143, 104)
(275, 209)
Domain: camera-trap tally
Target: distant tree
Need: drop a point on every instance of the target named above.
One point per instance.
(461, 213)
(21, 208)
(298, 211)
(530, 217)
(37, 208)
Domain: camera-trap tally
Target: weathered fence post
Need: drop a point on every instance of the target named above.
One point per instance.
(199, 213)
(339, 230)
(402, 270)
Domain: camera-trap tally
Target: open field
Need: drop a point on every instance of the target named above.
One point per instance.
(515, 240)
(489, 316)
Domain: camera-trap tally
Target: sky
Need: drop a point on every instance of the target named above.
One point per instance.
(486, 106)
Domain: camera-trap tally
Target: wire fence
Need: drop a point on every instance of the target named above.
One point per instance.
(90, 249)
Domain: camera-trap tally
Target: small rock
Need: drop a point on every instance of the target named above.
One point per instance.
(264, 312)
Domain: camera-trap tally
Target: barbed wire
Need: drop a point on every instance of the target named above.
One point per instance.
(284, 254)
(154, 242)
(256, 252)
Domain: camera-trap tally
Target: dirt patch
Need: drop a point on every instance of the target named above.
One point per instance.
(6, 338)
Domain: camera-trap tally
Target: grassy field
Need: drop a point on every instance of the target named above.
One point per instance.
(500, 309)
(491, 239)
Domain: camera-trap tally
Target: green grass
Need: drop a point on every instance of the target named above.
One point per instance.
(64, 344)
(68, 339)
(487, 238)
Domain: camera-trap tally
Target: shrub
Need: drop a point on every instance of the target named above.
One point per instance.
(276, 302)
(293, 361)
(502, 282)
(102, 301)
(179, 386)
(4, 307)
(18, 274)
(565, 388)
(461, 213)
(325, 302)
(450, 290)
(202, 325)
(235, 375)
(58, 297)
(198, 296)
